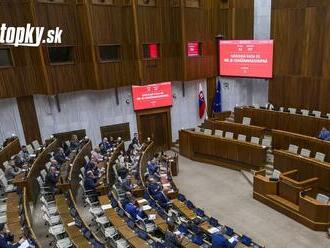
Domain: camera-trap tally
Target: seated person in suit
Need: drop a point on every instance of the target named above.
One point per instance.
(105, 146)
(135, 140)
(90, 182)
(134, 211)
(52, 178)
(96, 156)
(155, 189)
(219, 241)
(54, 163)
(11, 170)
(91, 166)
(60, 156)
(153, 169)
(121, 157)
(324, 134)
(6, 239)
(128, 198)
(126, 184)
(22, 157)
(172, 240)
(74, 142)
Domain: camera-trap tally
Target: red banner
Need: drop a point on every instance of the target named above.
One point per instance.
(152, 96)
(193, 49)
(246, 58)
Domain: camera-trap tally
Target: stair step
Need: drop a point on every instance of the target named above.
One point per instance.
(284, 202)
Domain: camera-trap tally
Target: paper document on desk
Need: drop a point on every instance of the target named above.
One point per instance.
(213, 230)
(142, 201)
(25, 244)
(106, 206)
(146, 207)
(152, 217)
(71, 223)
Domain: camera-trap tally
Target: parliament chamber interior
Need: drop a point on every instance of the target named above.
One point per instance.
(165, 123)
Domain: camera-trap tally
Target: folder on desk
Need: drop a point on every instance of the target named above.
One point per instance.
(152, 217)
(142, 201)
(213, 230)
(106, 206)
(146, 207)
(71, 223)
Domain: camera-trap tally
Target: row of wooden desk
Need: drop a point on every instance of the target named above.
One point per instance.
(74, 233)
(121, 226)
(236, 128)
(282, 140)
(294, 196)
(221, 151)
(308, 167)
(295, 123)
(12, 148)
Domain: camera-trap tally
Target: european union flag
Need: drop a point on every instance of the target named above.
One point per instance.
(217, 99)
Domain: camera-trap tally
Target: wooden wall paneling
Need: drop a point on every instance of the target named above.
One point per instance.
(67, 76)
(90, 57)
(29, 119)
(118, 130)
(301, 58)
(211, 89)
(24, 77)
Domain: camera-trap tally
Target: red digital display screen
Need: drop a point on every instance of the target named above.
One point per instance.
(153, 51)
(152, 96)
(246, 58)
(193, 49)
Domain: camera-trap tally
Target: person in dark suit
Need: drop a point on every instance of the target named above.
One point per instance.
(324, 134)
(155, 189)
(91, 166)
(22, 157)
(60, 156)
(52, 178)
(135, 140)
(172, 240)
(105, 145)
(6, 239)
(90, 182)
(74, 142)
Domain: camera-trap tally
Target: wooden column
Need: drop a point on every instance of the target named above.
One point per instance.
(29, 118)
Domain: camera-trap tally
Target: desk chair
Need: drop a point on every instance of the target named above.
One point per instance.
(229, 231)
(56, 231)
(218, 133)
(323, 198)
(246, 240)
(292, 110)
(229, 135)
(30, 149)
(241, 137)
(305, 112)
(316, 113)
(44, 190)
(213, 222)
(7, 188)
(208, 131)
(293, 149)
(63, 243)
(267, 142)
(305, 152)
(255, 140)
(320, 156)
(36, 145)
(246, 121)
(43, 174)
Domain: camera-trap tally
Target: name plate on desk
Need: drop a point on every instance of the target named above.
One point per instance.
(106, 206)
(213, 230)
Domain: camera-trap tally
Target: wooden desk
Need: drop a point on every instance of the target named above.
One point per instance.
(308, 167)
(137, 242)
(75, 235)
(126, 232)
(305, 209)
(233, 154)
(236, 128)
(12, 148)
(13, 218)
(188, 213)
(295, 123)
(282, 140)
(20, 180)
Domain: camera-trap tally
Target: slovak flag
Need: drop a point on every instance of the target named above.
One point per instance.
(201, 102)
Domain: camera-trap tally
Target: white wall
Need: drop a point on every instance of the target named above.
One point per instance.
(10, 121)
(92, 109)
